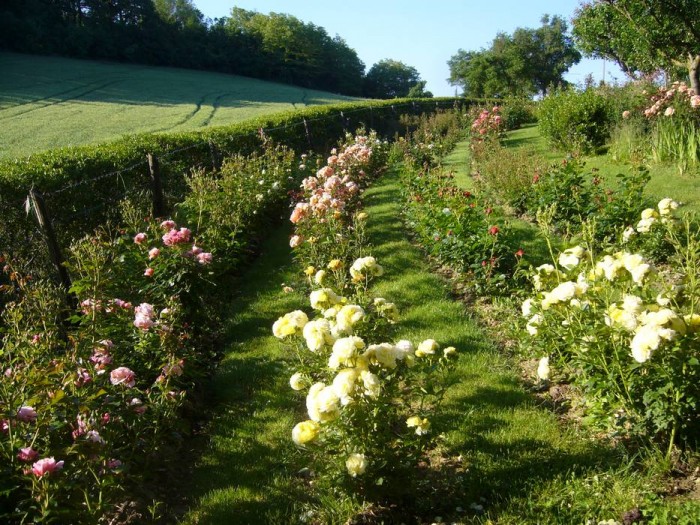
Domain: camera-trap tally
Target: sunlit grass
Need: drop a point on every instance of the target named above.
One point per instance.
(50, 102)
(503, 452)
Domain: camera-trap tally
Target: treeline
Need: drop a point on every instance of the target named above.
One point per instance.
(275, 47)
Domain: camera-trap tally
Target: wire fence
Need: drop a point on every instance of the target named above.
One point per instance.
(45, 224)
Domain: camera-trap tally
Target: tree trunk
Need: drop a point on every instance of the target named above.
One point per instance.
(694, 73)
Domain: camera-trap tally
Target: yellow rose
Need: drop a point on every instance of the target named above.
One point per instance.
(422, 426)
(427, 347)
(305, 432)
(335, 264)
(297, 381)
(356, 464)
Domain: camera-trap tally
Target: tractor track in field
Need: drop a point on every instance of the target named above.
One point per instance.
(189, 116)
(55, 103)
(215, 106)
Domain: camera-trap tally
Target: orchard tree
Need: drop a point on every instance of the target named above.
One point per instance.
(642, 35)
(528, 62)
(390, 79)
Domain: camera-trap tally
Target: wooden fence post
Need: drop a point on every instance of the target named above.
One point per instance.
(44, 220)
(156, 185)
(215, 157)
(308, 133)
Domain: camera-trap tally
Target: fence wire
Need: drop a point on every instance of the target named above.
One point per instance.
(33, 238)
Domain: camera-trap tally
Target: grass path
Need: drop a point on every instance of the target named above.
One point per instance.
(509, 455)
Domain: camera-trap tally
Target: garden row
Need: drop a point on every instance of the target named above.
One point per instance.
(93, 399)
(82, 186)
(615, 313)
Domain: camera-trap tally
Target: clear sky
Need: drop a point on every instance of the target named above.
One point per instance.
(423, 34)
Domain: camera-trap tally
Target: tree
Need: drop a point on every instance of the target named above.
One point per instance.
(528, 62)
(390, 79)
(418, 91)
(642, 35)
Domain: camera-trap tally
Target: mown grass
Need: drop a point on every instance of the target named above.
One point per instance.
(50, 102)
(503, 457)
(524, 233)
(665, 178)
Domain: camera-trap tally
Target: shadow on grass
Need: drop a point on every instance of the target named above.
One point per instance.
(509, 447)
(242, 474)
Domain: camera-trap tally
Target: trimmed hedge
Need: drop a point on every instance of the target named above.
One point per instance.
(83, 185)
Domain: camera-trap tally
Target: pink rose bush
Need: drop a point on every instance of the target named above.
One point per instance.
(85, 405)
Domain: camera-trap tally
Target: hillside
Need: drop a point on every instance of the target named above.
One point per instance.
(49, 102)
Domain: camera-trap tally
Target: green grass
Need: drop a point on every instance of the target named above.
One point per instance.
(49, 102)
(507, 452)
(524, 233)
(665, 179)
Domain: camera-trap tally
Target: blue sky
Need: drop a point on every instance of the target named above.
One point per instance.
(422, 34)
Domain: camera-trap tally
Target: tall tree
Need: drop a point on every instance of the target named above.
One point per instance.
(390, 79)
(528, 62)
(642, 35)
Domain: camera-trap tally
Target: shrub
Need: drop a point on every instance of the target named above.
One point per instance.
(518, 111)
(508, 173)
(626, 333)
(576, 121)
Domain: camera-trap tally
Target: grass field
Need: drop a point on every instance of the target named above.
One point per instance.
(49, 102)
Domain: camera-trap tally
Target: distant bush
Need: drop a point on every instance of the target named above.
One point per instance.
(576, 121)
(518, 111)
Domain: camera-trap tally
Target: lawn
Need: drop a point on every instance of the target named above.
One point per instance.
(665, 179)
(49, 102)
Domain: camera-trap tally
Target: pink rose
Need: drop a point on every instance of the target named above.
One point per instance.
(46, 466)
(94, 437)
(83, 377)
(80, 429)
(26, 414)
(4, 426)
(27, 454)
(204, 258)
(144, 316)
(153, 253)
(139, 238)
(669, 111)
(695, 101)
(167, 225)
(101, 358)
(295, 241)
(149, 272)
(114, 464)
(123, 376)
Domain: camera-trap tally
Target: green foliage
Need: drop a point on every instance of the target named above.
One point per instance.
(392, 79)
(517, 111)
(576, 121)
(95, 198)
(641, 35)
(528, 62)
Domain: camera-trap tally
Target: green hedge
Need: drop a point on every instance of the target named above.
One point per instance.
(83, 185)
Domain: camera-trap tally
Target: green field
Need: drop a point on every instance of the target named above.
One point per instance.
(49, 102)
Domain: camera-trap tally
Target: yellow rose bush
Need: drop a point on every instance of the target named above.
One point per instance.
(626, 332)
(368, 405)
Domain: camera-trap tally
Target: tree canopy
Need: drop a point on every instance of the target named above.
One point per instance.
(528, 62)
(275, 47)
(642, 35)
(390, 79)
